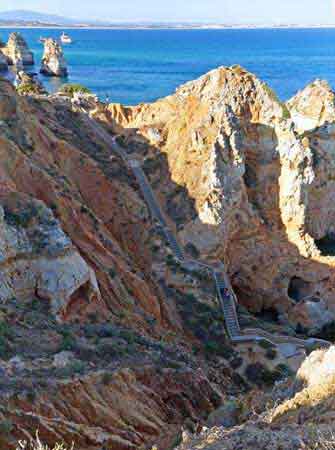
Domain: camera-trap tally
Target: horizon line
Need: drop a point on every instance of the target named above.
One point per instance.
(139, 21)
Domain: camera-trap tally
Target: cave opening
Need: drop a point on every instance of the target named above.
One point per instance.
(326, 245)
(299, 289)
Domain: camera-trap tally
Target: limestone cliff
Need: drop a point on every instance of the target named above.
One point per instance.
(17, 51)
(53, 61)
(37, 258)
(90, 281)
(313, 106)
(245, 188)
(296, 415)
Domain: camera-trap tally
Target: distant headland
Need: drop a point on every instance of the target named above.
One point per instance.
(32, 19)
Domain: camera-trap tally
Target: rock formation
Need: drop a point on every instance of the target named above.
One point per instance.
(17, 51)
(28, 84)
(313, 106)
(44, 262)
(296, 415)
(251, 184)
(53, 61)
(127, 345)
(86, 270)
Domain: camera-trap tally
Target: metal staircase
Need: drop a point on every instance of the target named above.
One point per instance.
(155, 210)
(225, 293)
(228, 305)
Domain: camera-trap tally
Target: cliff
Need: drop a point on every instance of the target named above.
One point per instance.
(126, 342)
(253, 186)
(91, 298)
(297, 415)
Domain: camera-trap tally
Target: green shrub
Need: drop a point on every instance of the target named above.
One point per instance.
(236, 363)
(266, 344)
(107, 377)
(28, 89)
(283, 371)
(258, 374)
(70, 89)
(5, 335)
(271, 353)
(6, 427)
(69, 341)
(216, 348)
(286, 112)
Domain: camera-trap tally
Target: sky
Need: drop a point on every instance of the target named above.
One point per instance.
(223, 11)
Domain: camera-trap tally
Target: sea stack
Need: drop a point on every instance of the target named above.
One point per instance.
(17, 51)
(53, 61)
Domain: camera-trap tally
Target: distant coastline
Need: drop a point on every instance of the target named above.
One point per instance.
(167, 26)
(21, 18)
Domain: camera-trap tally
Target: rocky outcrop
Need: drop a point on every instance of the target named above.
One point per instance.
(238, 182)
(72, 173)
(38, 259)
(313, 106)
(53, 61)
(298, 416)
(110, 411)
(28, 84)
(17, 51)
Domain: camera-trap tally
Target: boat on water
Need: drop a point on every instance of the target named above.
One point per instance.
(65, 38)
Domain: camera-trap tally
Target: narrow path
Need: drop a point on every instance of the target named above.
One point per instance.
(226, 296)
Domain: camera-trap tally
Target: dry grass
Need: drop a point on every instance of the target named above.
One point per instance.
(36, 444)
(309, 397)
(325, 441)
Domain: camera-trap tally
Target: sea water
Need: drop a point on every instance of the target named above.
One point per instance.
(134, 66)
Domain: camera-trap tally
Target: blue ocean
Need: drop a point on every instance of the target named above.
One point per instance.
(134, 66)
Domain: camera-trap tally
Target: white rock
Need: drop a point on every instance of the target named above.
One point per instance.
(63, 359)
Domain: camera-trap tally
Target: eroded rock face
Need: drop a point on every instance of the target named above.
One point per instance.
(313, 106)
(53, 61)
(245, 183)
(17, 51)
(236, 181)
(292, 413)
(123, 411)
(37, 258)
(77, 235)
(42, 156)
